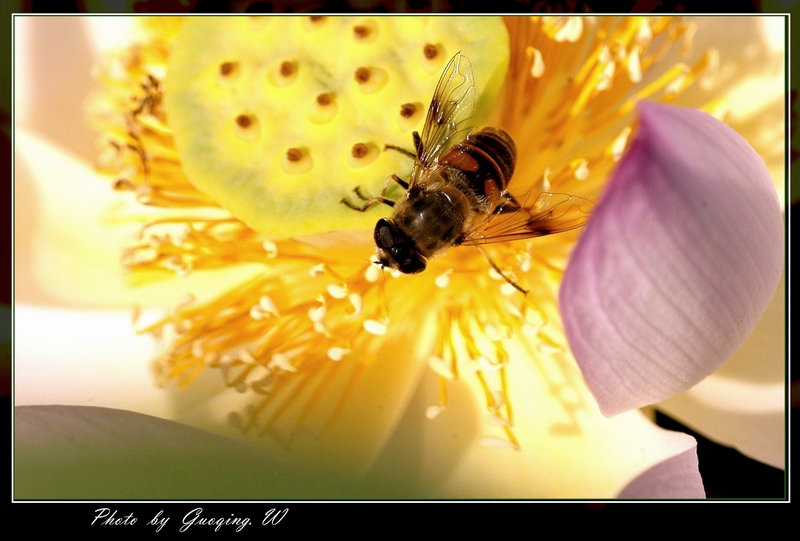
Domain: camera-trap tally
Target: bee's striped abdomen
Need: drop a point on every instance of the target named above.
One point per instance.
(487, 160)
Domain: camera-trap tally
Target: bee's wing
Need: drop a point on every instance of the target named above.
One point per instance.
(453, 103)
(549, 213)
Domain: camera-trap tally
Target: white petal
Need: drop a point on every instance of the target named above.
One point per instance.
(73, 452)
(568, 449)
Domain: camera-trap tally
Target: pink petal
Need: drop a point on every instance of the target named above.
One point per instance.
(675, 477)
(679, 261)
(743, 404)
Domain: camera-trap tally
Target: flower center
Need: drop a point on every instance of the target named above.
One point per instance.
(316, 308)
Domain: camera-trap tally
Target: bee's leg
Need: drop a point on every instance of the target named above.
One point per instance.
(368, 201)
(357, 191)
(501, 273)
(385, 188)
(398, 180)
(417, 147)
(400, 150)
(417, 143)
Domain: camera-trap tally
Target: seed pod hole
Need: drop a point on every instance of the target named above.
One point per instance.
(362, 154)
(296, 160)
(411, 114)
(324, 108)
(365, 31)
(228, 69)
(433, 56)
(288, 68)
(284, 73)
(247, 126)
(430, 51)
(371, 79)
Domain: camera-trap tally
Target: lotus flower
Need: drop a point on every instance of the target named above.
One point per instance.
(286, 365)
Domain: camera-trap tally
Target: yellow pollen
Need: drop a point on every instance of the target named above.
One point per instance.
(357, 302)
(337, 291)
(432, 412)
(537, 66)
(443, 280)
(372, 273)
(282, 362)
(581, 169)
(442, 368)
(633, 66)
(378, 328)
(337, 353)
(317, 313)
(617, 147)
(317, 270)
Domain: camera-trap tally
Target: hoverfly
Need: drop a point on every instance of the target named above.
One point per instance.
(459, 193)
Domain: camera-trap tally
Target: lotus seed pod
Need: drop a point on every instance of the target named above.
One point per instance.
(279, 118)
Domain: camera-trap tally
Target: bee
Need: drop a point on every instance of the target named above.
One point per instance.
(460, 189)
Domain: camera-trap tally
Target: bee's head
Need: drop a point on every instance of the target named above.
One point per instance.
(396, 250)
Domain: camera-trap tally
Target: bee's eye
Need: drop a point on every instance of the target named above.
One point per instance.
(397, 250)
(384, 236)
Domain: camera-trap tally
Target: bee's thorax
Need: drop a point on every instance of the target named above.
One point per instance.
(434, 219)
